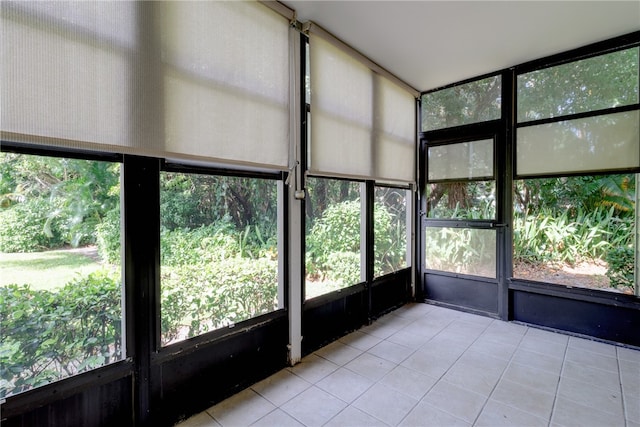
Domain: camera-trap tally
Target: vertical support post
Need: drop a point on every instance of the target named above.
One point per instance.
(504, 186)
(636, 261)
(283, 260)
(364, 236)
(368, 235)
(410, 237)
(296, 195)
(141, 177)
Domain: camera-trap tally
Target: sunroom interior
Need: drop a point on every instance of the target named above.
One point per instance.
(252, 191)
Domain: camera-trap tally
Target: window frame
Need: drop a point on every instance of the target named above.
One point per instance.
(363, 244)
(588, 52)
(614, 45)
(408, 216)
(115, 368)
(162, 352)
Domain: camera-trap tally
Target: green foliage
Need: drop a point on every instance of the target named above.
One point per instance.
(338, 230)
(344, 269)
(51, 335)
(202, 297)
(25, 227)
(573, 193)
(390, 239)
(108, 237)
(462, 104)
(600, 82)
(212, 243)
(549, 236)
(60, 200)
(333, 243)
(461, 250)
(461, 200)
(621, 267)
(189, 201)
(209, 280)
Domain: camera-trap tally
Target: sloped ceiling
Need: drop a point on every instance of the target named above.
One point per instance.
(429, 44)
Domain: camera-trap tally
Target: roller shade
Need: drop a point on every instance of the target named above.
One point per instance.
(600, 143)
(362, 121)
(201, 80)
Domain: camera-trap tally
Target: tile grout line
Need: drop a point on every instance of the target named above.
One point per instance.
(445, 372)
(378, 381)
(555, 396)
(501, 376)
(374, 382)
(622, 400)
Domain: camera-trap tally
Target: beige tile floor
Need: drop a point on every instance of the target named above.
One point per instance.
(424, 365)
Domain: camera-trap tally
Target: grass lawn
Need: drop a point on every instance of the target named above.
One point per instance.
(45, 270)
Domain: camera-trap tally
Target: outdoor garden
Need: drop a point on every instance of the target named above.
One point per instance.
(60, 257)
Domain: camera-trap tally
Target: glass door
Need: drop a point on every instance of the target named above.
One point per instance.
(460, 227)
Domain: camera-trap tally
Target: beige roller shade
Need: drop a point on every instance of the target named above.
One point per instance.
(599, 143)
(201, 80)
(362, 122)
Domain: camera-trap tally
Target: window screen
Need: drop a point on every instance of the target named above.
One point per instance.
(467, 103)
(466, 160)
(608, 139)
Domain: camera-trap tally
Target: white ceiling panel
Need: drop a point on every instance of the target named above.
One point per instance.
(429, 44)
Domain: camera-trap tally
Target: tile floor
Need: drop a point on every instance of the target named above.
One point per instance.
(424, 365)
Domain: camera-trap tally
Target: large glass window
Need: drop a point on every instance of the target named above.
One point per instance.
(473, 102)
(390, 225)
(60, 270)
(576, 231)
(333, 244)
(219, 252)
(605, 81)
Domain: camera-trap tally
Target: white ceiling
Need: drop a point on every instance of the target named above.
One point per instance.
(429, 44)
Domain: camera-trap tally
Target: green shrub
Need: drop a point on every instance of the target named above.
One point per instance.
(202, 297)
(108, 237)
(29, 227)
(390, 240)
(548, 236)
(345, 268)
(52, 335)
(621, 267)
(333, 243)
(181, 247)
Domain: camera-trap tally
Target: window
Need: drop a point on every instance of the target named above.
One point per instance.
(597, 143)
(333, 244)
(219, 252)
(461, 250)
(60, 269)
(576, 231)
(462, 104)
(597, 83)
(460, 180)
(390, 222)
(577, 155)
(460, 198)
